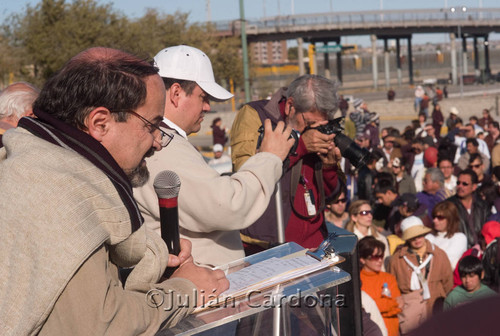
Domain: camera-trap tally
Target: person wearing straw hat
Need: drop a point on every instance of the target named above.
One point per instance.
(423, 273)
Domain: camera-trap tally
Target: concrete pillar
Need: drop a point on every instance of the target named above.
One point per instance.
(386, 64)
(410, 61)
(374, 60)
(487, 69)
(477, 71)
(327, 63)
(398, 62)
(339, 66)
(453, 54)
(300, 51)
(465, 70)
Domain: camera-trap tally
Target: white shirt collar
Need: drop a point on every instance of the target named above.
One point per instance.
(179, 130)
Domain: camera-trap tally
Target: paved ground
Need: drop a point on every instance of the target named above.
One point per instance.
(397, 113)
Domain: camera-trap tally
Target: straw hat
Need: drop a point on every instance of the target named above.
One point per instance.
(454, 110)
(413, 227)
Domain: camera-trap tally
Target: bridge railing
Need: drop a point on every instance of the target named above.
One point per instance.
(374, 18)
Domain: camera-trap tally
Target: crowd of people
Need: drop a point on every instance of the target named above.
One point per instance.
(430, 196)
(79, 207)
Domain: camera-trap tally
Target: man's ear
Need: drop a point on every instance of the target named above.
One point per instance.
(98, 123)
(288, 106)
(174, 94)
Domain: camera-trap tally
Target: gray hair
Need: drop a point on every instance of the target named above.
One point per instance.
(16, 100)
(436, 175)
(314, 93)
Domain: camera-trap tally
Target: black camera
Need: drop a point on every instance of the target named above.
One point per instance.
(294, 135)
(293, 151)
(349, 149)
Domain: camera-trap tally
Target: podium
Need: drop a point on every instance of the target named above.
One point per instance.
(311, 304)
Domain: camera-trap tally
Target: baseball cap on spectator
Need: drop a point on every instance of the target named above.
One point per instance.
(490, 231)
(374, 117)
(408, 199)
(396, 162)
(413, 227)
(218, 148)
(430, 156)
(357, 102)
(454, 110)
(188, 63)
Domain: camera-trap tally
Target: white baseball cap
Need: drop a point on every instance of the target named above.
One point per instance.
(188, 63)
(454, 110)
(218, 148)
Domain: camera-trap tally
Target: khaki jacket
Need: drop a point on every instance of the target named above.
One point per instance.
(440, 280)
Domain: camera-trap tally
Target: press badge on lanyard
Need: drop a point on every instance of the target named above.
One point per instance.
(309, 198)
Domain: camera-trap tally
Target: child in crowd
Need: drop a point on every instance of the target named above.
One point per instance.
(471, 272)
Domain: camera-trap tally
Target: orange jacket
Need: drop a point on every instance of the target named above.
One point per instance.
(372, 284)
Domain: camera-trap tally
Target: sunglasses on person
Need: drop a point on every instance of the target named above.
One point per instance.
(365, 213)
(376, 257)
(439, 217)
(340, 200)
(475, 166)
(465, 184)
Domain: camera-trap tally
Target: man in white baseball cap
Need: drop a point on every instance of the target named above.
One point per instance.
(212, 208)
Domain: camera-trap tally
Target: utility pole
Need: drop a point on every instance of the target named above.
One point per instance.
(244, 50)
(209, 12)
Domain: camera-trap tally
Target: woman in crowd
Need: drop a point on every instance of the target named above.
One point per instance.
(445, 231)
(218, 132)
(381, 286)
(437, 119)
(361, 224)
(423, 273)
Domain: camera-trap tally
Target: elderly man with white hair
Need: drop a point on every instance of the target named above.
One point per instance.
(16, 101)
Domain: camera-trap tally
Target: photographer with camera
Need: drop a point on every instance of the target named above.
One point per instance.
(312, 174)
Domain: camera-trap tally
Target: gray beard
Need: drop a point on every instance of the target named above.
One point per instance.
(139, 176)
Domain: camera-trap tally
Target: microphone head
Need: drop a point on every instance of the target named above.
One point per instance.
(167, 184)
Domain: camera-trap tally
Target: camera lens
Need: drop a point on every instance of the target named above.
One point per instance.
(350, 150)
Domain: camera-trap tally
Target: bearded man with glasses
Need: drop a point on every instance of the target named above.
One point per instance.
(69, 218)
(473, 210)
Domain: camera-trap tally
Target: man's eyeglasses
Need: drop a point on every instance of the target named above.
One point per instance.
(376, 257)
(475, 166)
(365, 213)
(465, 184)
(340, 200)
(165, 137)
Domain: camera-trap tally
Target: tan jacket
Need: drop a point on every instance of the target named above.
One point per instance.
(212, 208)
(64, 231)
(440, 276)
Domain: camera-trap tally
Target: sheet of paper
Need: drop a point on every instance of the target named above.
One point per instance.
(269, 273)
(266, 270)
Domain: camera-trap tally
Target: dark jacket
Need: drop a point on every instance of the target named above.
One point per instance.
(219, 135)
(480, 213)
(306, 231)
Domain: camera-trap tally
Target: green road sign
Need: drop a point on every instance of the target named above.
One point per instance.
(329, 48)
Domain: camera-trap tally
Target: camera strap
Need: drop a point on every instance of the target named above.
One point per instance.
(294, 182)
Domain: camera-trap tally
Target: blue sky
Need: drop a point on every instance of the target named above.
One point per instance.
(229, 9)
(222, 10)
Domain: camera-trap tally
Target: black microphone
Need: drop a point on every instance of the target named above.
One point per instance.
(167, 185)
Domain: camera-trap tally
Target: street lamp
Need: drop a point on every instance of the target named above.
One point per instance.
(461, 68)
